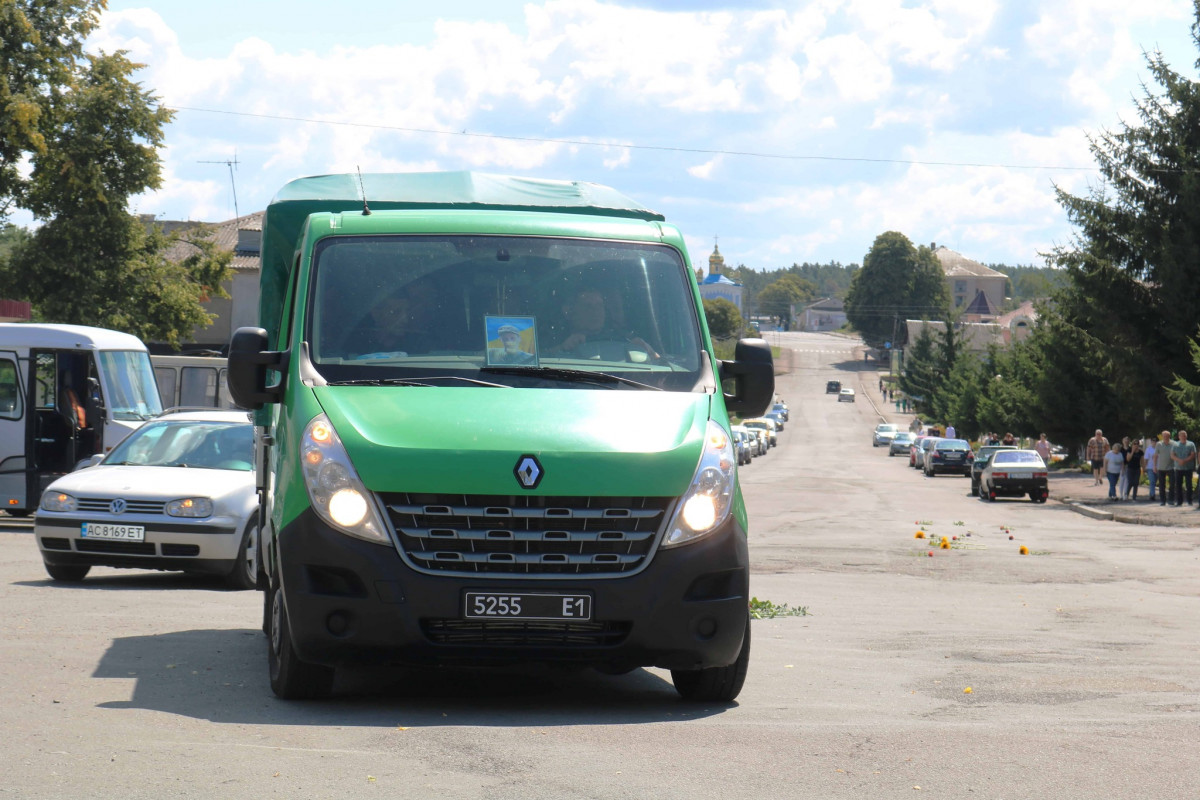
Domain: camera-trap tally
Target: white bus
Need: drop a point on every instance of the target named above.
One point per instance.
(192, 381)
(66, 392)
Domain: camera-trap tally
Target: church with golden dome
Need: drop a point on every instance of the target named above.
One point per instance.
(717, 285)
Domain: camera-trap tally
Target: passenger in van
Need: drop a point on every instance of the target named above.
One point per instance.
(589, 334)
(69, 404)
(402, 322)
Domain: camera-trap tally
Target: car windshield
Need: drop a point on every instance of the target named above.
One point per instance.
(886, 428)
(187, 443)
(515, 311)
(1016, 457)
(953, 444)
(904, 437)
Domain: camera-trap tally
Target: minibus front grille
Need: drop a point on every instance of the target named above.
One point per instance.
(526, 536)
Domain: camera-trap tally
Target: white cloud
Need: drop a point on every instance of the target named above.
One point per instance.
(704, 171)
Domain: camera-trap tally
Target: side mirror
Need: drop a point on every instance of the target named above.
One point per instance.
(90, 461)
(752, 373)
(249, 360)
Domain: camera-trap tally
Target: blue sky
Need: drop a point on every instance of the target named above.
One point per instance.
(793, 131)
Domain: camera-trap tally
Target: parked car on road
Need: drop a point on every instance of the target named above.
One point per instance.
(884, 433)
(764, 424)
(777, 418)
(949, 455)
(846, 395)
(176, 494)
(919, 447)
(981, 460)
(833, 387)
(781, 409)
(1014, 473)
(901, 444)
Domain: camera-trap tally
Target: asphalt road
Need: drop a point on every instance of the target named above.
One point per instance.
(1080, 658)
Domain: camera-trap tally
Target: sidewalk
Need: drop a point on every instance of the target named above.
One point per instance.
(1080, 492)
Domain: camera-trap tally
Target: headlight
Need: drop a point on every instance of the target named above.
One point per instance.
(707, 501)
(190, 507)
(337, 494)
(57, 501)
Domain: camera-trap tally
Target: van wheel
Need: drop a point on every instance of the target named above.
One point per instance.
(244, 574)
(715, 684)
(291, 678)
(67, 573)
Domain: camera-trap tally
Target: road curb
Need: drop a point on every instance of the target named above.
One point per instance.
(1116, 516)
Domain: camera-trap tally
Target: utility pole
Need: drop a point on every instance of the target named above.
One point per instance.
(231, 164)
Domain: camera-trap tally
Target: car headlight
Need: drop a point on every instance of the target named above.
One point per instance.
(57, 501)
(190, 507)
(707, 501)
(337, 494)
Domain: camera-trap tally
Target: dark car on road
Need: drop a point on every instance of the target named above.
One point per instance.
(981, 460)
(1014, 473)
(949, 455)
(833, 387)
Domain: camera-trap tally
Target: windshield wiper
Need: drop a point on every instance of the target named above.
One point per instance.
(415, 381)
(570, 375)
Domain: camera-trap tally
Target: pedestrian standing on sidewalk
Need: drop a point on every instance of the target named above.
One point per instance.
(1097, 448)
(950, 432)
(1183, 453)
(1151, 466)
(1133, 469)
(1043, 449)
(1165, 467)
(1123, 484)
(1114, 466)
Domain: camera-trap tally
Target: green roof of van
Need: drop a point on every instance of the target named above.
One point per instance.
(463, 191)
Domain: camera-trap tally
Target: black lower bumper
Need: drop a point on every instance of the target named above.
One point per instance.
(353, 602)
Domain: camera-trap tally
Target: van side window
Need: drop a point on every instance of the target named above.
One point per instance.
(47, 384)
(10, 391)
(198, 386)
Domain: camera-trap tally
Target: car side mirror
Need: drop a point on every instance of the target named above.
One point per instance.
(752, 375)
(249, 360)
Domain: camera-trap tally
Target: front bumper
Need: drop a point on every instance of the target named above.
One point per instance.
(200, 546)
(351, 602)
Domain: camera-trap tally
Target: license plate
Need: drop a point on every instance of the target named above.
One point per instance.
(103, 530)
(527, 605)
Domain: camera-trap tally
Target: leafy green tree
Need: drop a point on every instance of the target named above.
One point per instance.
(777, 299)
(41, 44)
(897, 282)
(724, 319)
(92, 135)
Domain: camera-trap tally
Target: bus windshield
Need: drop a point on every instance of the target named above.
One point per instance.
(131, 391)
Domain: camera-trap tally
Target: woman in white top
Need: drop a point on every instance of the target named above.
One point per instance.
(1114, 468)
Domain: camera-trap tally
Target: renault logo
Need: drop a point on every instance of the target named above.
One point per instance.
(528, 471)
(117, 506)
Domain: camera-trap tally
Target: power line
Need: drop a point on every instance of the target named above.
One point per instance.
(648, 147)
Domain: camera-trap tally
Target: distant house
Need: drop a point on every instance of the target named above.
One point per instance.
(976, 291)
(824, 315)
(977, 336)
(716, 285)
(243, 236)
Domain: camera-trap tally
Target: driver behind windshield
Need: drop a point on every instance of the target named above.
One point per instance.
(590, 331)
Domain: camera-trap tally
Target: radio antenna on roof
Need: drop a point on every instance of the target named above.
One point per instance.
(232, 184)
(363, 191)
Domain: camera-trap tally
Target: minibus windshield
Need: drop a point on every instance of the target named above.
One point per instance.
(130, 389)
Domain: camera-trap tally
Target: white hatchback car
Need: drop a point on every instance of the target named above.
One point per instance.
(176, 494)
(846, 395)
